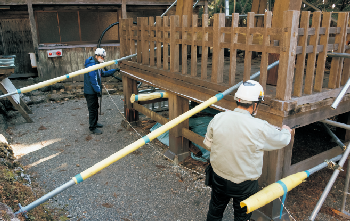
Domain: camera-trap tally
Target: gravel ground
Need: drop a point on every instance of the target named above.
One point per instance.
(142, 186)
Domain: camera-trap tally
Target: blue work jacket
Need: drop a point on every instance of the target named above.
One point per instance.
(92, 79)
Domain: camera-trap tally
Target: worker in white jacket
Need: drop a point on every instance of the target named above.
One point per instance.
(237, 141)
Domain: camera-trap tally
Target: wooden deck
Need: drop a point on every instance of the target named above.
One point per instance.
(304, 91)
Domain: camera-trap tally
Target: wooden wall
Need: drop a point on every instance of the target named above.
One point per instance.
(16, 39)
(73, 59)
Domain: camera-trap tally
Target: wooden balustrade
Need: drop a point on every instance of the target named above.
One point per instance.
(301, 44)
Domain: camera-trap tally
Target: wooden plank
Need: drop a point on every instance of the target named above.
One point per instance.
(16, 106)
(174, 48)
(184, 46)
(233, 50)
(131, 40)
(159, 43)
(139, 40)
(346, 69)
(25, 107)
(322, 55)
(129, 88)
(287, 58)
(311, 61)
(194, 47)
(265, 55)
(339, 39)
(151, 34)
(218, 53)
(248, 53)
(204, 58)
(165, 45)
(144, 41)
(151, 114)
(193, 137)
(312, 161)
(124, 9)
(300, 63)
(341, 47)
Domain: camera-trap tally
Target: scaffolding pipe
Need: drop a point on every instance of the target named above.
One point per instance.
(340, 95)
(147, 97)
(338, 55)
(140, 142)
(330, 184)
(336, 124)
(346, 189)
(336, 139)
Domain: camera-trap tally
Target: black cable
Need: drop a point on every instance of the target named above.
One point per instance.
(104, 32)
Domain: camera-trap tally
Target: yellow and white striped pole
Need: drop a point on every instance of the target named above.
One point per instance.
(147, 97)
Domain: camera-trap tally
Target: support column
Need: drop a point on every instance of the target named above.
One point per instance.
(178, 145)
(129, 88)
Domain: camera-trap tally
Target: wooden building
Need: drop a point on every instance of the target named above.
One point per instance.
(37, 26)
(303, 94)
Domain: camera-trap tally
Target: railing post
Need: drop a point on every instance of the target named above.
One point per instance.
(159, 41)
(287, 55)
(337, 62)
(322, 56)
(174, 48)
(204, 61)
(184, 45)
(218, 52)
(145, 42)
(151, 40)
(165, 43)
(194, 47)
(264, 54)
(248, 52)
(311, 57)
(123, 37)
(139, 42)
(131, 35)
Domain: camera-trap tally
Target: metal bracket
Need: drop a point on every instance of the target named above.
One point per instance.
(23, 212)
(333, 166)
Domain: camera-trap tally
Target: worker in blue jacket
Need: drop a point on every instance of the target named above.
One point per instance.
(93, 88)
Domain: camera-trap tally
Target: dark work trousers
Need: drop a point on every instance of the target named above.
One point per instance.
(223, 190)
(92, 104)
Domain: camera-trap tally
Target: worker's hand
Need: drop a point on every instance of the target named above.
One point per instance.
(99, 94)
(117, 69)
(288, 128)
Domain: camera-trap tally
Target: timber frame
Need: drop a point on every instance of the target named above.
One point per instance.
(305, 87)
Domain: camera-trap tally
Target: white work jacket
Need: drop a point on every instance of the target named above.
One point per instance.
(237, 142)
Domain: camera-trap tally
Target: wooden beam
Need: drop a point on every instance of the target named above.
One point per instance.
(129, 88)
(150, 114)
(124, 9)
(193, 137)
(33, 29)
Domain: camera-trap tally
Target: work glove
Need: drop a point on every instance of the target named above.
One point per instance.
(117, 69)
(99, 94)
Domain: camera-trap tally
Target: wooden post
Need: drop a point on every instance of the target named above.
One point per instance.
(129, 88)
(322, 56)
(218, 52)
(131, 35)
(337, 62)
(33, 29)
(248, 52)
(165, 43)
(264, 54)
(287, 56)
(233, 50)
(194, 47)
(311, 58)
(159, 41)
(174, 48)
(124, 9)
(204, 61)
(151, 40)
(178, 145)
(258, 7)
(184, 45)
(123, 40)
(139, 40)
(184, 7)
(300, 63)
(145, 42)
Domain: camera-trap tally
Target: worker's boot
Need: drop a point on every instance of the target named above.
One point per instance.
(99, 125)
(96, 131)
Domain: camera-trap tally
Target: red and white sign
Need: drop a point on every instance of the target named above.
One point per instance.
(54, 53)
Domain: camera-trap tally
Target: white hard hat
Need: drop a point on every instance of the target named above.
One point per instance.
(250, 91)
(100, 52)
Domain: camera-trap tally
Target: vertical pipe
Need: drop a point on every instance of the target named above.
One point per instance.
(329, 185)
(341, 95)
(346, 188)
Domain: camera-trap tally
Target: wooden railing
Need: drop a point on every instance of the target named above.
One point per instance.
(293, 43)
